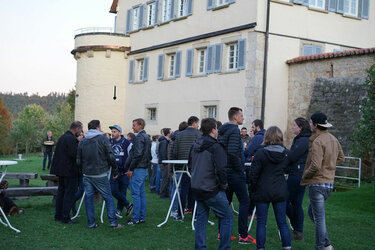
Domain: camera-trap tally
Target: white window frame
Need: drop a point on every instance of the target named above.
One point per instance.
(315, 45)
(210, 111)
(167, 8)
(201, 65)
(152, 114)
(220, 3)
(136, 13)
(151, 14)
(232, 65)
(318, 4)
(141, 68)
(171, 65)
(351, 7)
(182, 8)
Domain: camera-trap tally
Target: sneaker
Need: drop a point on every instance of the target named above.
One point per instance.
(132, 222)
(118, 226)
(173, 214)
(298, 236)
(231, 238)
(177, 218)
(329, 247)
(129, 209)
(93, 226)
(118, 213)
(247, 240)
(142, 221)
(188, 211)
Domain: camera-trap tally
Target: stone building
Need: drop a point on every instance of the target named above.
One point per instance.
(168, 59)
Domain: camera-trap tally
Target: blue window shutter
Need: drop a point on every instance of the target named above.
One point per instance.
(365, 8)
(145, 69)
(218, 57)
(307, 50)
(298, 1)
(305, 2)
(340, 6)
(131, 71)
(172, 10)
(317, 50)
(160, 66)
(210, 4)
(156, 11)
(189, 7)
(241, 53)
(177, 64)
(189, 62)
(230, 1)
(141, 14)
(332, 5)
(209, 59)
(129, 14)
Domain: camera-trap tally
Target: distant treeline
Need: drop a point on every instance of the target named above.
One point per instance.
(16, 102)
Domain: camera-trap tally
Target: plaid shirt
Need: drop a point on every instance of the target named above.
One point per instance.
(325, 185)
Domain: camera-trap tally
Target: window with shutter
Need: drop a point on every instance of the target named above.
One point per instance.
(151, 14)
(332, 5)
(171, 65)
(365, 9)
(232, 57)
(131, 71)
(160, 66)
(145, 69)
(202, 54)
(189, 62)
(218, 57)
(308, 50)
(129, 18)
(209, 59)
(351, 7)
(140, 75)
(177, 67)
(241, 54)
(136, 13)
(319, 4)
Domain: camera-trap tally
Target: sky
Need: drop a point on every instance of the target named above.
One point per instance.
(36, 38)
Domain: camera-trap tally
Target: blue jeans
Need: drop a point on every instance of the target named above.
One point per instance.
(175, 206)
(316, 213)
(219, 204)
(102, 185)
(153, 176)
(45, 155)
(137, 184)
(78, 194)
(294, 208)
(158, 179)
(119, 187)
(237, 184)
(279, 209)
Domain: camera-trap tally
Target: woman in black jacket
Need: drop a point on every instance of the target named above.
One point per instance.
(268, 185)
(297, 160)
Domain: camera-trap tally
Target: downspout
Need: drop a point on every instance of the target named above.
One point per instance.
(265, 63)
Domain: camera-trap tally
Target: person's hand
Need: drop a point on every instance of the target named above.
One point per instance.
(129, 174)
(115, 176)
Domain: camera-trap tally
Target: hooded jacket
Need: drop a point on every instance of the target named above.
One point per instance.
(162, 149)
(267, 171)
(255, 144)
(230, 137)
(298, 153)
(95, 155)
(207, 161)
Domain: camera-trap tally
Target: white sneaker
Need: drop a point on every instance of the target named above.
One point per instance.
(329, 247)
(118, 214)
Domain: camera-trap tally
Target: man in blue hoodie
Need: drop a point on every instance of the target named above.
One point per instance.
(258, 131)
(230, 137)
(120, 185)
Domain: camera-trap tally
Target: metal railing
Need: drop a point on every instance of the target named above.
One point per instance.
(356, 168)
(93, 30)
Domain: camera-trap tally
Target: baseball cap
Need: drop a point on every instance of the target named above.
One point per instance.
(321, 120)
(116, 127)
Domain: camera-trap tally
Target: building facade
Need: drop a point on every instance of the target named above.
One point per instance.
(169, 59)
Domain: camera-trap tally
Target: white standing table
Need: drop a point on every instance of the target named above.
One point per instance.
(183, 170)
(5, 164)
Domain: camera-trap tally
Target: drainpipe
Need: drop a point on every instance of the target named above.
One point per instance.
(265, 62)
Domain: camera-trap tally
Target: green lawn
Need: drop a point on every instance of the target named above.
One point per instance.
(350, 220)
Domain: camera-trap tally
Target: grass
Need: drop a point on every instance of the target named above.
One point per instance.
(350, 220)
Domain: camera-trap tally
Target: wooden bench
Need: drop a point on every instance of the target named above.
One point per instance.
(23, 177)
(52, 180)
(31, 191)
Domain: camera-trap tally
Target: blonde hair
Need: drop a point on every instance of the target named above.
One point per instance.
(273, 135)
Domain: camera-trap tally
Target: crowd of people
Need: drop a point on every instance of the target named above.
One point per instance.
(222, 160)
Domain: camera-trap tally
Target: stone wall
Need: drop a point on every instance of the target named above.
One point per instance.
(331, 86)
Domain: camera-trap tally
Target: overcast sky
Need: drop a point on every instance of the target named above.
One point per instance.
(36, 37)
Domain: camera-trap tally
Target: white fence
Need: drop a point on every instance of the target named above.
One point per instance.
(354, 163)
(93, 30)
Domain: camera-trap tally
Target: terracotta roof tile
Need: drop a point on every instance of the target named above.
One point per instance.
(331, 55)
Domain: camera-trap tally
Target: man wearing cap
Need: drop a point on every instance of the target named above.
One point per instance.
(325, 153)
(120, 185)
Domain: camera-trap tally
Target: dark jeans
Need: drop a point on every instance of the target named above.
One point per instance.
(78, 194)
(119, 188)
(164, 180)
(279, 209)
(237, 185)
(316, 212)
(294, 208)
(186, 193)
(45, 155)
(218, 204)
(65, 197)
(153, 176)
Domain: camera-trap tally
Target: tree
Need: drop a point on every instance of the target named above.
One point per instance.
(364, 135)
(28, 128)
(5, 126)
(71, 99)
(61, 120)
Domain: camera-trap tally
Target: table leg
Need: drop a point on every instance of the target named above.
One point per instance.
(7, 221)
(252, 218)
(193, 219)
(79, 207)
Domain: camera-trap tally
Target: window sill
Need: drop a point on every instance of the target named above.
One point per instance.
(149, 27)
(134, 31)
(164, 23)
(140, 82)
(351, 17)
(230, 72)
(282, 2)
(180, 18)
(318, 10)
(168, 79)
(199, 76)
(221, 7)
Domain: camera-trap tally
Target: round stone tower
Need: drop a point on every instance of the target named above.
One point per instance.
(101, 77)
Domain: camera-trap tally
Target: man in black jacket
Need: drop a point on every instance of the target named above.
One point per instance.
(163, 155)
(139, 160)
(207, 162)
(48, 143)
(95, 158)
(64, 166)
(181, 149)
(229, 136)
